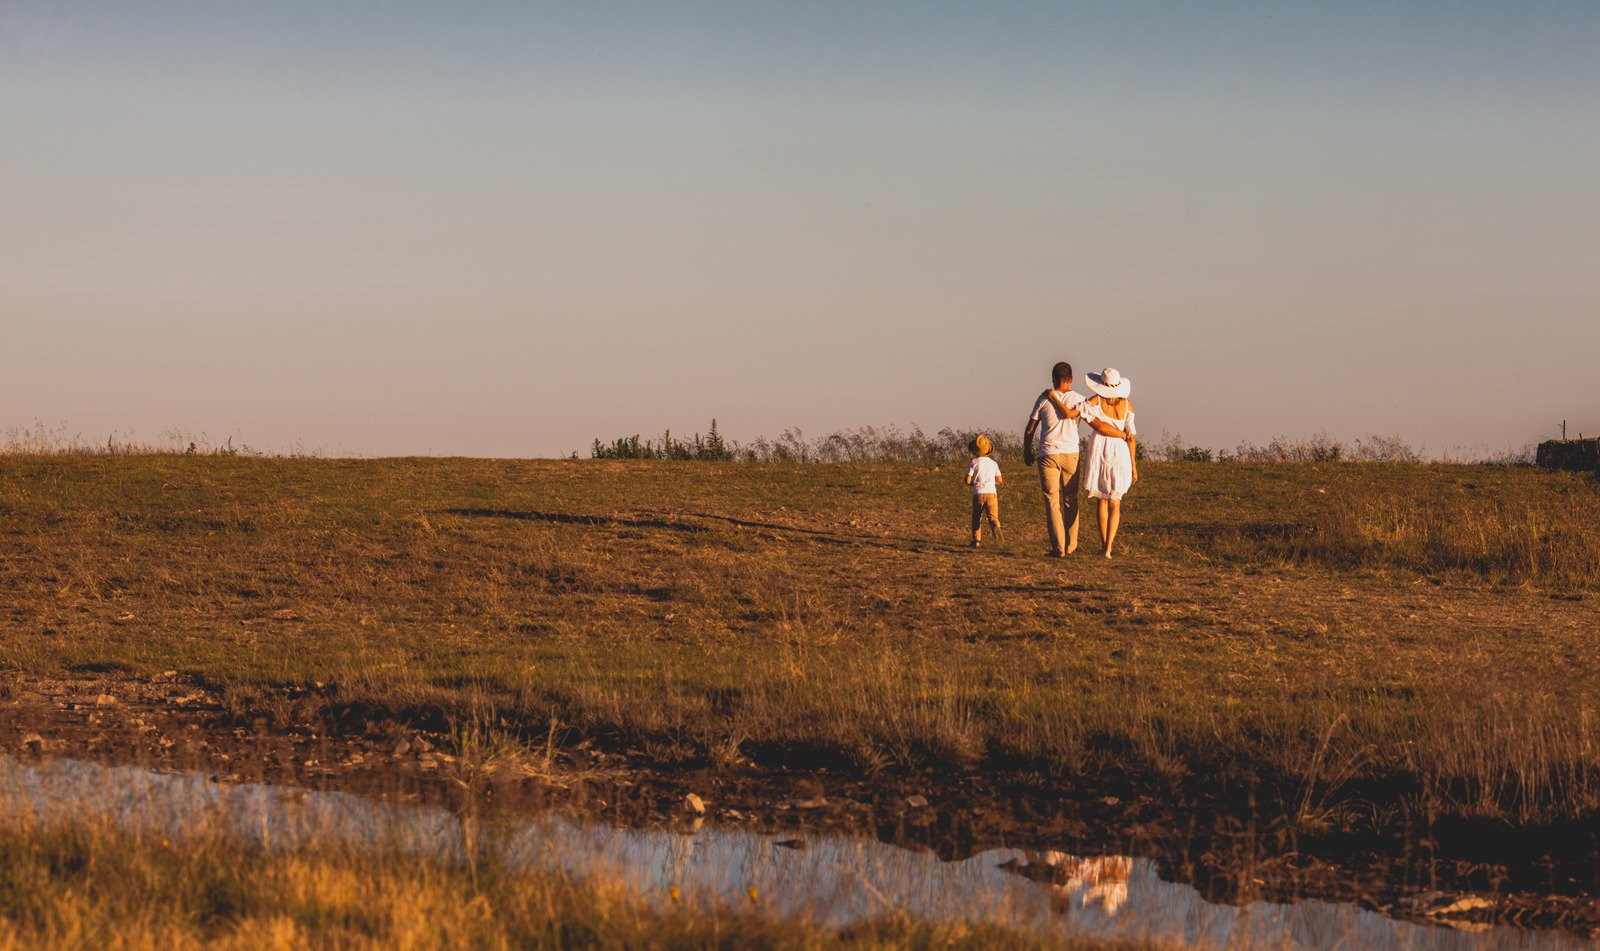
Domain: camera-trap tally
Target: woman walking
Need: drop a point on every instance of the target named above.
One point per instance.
(1113, 466)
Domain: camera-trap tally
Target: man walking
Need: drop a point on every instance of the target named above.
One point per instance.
(1058, 459)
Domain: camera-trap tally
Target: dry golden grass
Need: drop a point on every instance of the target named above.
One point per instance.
(1531, 534)
(1300, 631)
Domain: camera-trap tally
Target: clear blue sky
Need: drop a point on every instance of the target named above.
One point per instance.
(505, 228)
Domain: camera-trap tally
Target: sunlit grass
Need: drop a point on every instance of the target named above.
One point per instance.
(1300, 631)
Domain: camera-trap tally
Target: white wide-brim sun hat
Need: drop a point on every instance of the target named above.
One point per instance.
(1110, 383)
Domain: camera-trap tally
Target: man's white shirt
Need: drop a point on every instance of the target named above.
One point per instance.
(1058, 435)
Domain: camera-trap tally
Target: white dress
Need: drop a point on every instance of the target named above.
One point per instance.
(1110, 472)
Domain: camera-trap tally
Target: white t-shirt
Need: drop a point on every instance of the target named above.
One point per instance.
(1058, 435)
(984, 473)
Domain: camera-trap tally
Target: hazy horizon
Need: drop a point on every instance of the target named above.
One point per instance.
(509, 228)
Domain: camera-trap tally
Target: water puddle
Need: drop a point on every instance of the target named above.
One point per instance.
(832, 879)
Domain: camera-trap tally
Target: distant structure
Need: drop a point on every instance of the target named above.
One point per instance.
(1576, 455)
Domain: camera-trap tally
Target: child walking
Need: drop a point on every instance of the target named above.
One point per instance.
(984, 477)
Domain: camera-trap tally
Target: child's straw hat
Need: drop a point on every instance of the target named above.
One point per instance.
(981, 445)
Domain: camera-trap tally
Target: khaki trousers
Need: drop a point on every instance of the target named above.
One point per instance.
(1059, 478)
(987, 503)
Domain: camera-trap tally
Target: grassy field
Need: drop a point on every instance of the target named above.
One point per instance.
(1353, 645)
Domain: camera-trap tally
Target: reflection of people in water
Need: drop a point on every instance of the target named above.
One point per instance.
(1077, 882)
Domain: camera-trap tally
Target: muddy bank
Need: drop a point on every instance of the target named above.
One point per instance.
(1232, 849)
(835, 884)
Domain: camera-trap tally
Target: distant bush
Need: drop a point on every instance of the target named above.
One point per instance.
(1172, 448)
(1508, 457)
(710, 447)
(877, 444)
(866, 444)
(1318, 448)
(1382, 449)
(1324, 448)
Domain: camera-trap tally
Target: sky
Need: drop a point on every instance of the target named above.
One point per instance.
(496, 228)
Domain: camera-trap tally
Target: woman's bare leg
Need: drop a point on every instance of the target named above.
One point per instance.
(1113, 524)
(1102, 515)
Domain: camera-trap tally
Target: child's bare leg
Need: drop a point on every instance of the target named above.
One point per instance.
(1113, 524)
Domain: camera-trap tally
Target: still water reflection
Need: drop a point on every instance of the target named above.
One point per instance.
(833, 879)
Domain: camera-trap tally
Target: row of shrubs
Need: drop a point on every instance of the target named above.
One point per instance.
(710, 447)
(892, 444)
(889, 444)
(1318, 448)
(1324, 448)
(866, 444)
